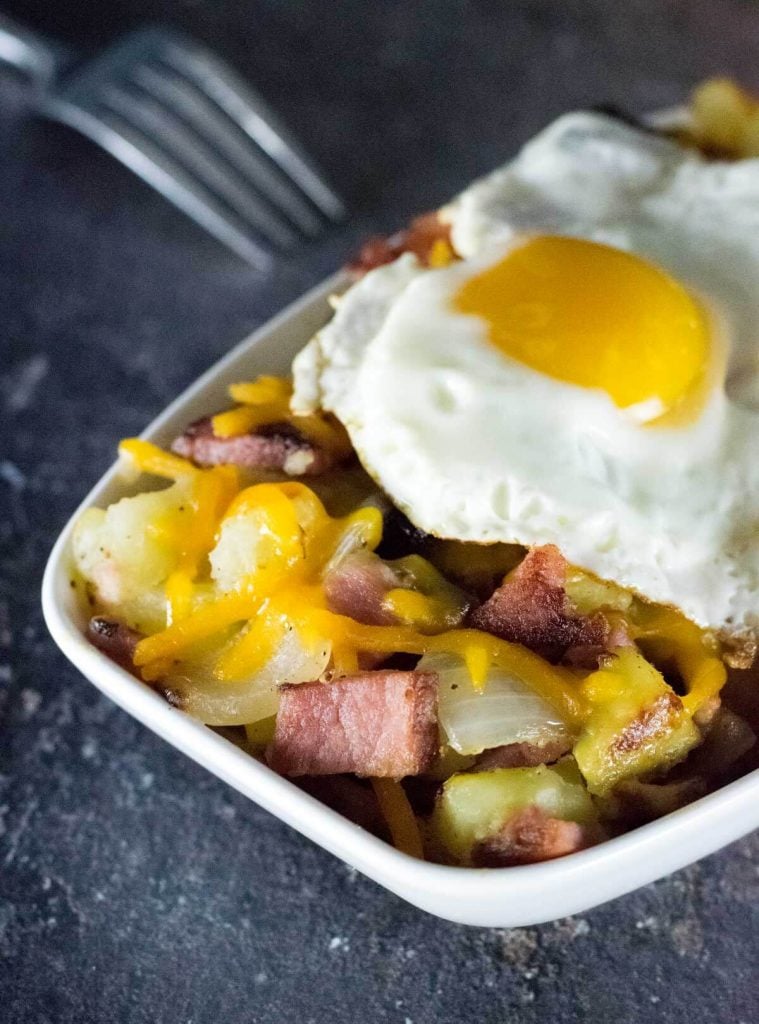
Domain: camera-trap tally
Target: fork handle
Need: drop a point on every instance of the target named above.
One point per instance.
(35, 56)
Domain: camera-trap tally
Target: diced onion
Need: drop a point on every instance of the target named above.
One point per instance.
(504, 711)
(242, 702)
(355, 538)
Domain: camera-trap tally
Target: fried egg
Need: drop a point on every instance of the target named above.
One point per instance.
(586, 375)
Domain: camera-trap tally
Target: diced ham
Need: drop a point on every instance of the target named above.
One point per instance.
(349, 796)
(419, 237)
(276, 446)
(118, 642)
(381, 724)
(114, 639)
(359, 584)
(357, 588)
(531, 607)
(523, 755)
(528, 837)
(591, 655)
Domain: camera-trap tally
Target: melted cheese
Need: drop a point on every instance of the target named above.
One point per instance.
(285, 592)
(266, 400)
(400, 818)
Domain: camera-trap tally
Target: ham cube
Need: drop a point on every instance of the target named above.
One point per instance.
(381, 724)
(529, 837)
(531, 607)
(357, 587)
(116, 640)
(419, 237)
(278, 446)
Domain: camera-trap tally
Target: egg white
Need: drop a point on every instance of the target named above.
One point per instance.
(476, 446)
(590, 176)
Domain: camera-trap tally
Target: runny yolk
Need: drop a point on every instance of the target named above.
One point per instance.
(596, 317)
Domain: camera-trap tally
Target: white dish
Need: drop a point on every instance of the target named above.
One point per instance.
(504, 897)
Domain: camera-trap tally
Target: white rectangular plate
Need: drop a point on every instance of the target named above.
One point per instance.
(504, 897)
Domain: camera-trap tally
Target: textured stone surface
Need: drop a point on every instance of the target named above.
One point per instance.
(134, 886)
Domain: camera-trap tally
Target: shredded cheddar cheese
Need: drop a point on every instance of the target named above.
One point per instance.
(192, 532)
(669, 636)
(178, 596)
(286, 592)
(266, 400)
(297, 543)
(261, 391)
(441, 254)
(149, 458)
(400, 819)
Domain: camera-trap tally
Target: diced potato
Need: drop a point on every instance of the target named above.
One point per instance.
(588, 593)
(722, 113)
(260, 531)
(126, 552)
(242, 545)
(266, 529)
(473, 807)
(261, 733)
(197, 688)
(637, 723)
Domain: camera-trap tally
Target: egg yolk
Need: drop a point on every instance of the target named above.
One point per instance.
(596, 317)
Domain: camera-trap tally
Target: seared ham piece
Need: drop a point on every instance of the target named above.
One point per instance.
(353, 798)
(590, 655)
(531, 607)
(419, 237)
(357, 588)
(530, 836)
(381, 724)
(114, 639)
(276, 446)
(522, 755)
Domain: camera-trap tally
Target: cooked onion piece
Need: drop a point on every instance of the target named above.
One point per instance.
(197, 688)
(504, 711)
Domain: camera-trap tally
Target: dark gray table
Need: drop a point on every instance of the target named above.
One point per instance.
(134, 886)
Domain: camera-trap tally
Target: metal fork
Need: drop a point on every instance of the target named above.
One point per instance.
(187, 124)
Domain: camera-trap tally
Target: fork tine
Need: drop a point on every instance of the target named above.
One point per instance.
(137, 152)
(184, 97)
(159, 124)
(253, 115)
